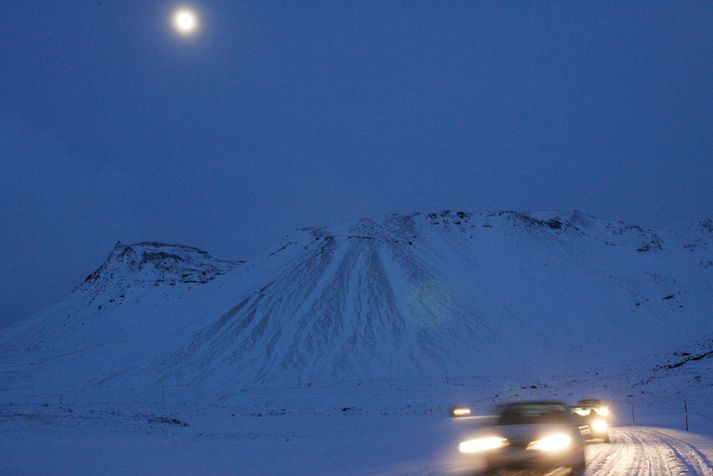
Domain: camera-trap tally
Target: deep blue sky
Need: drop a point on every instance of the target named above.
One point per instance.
(285, 114)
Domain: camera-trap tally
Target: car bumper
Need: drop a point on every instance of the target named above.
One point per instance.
(523, 458)
(590, 434)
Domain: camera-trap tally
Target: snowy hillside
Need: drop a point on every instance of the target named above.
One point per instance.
(409, 295)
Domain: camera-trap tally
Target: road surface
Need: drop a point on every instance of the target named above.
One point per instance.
(645, 451)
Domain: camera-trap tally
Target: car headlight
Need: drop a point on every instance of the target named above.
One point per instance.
(461, 411)
(599, 425)
(603, 411)
(556, 442)
(478, 445)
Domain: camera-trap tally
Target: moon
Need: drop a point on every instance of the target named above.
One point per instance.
(185, 21)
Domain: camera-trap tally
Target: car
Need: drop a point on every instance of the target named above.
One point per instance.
(596, 403)
(593, 416)
(530, 435)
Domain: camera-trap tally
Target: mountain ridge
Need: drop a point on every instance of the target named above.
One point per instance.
(406, 295)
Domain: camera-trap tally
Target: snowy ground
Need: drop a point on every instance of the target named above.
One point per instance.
(367, 428)
(276, 445)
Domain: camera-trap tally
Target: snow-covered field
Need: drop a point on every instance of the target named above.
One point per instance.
(341, 349)
(351, 427)
(303, 431)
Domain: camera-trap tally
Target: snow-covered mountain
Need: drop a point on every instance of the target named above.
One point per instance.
(408, 295)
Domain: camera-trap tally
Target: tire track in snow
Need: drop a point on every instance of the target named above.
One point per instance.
(608, 459)
(645, 452)
(687, 454)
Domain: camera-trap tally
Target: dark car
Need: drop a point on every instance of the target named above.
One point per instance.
(530, 435)
(593, 417)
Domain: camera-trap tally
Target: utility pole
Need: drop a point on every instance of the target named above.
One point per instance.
(633, 414)
(685, 413)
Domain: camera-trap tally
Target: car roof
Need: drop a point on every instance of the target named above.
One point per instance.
(589, 401)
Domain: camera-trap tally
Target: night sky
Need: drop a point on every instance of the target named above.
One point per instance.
(278, 115)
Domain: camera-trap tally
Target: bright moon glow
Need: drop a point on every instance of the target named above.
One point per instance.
(185, 21)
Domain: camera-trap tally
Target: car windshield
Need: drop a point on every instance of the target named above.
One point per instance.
(585, 411)
(532, 413)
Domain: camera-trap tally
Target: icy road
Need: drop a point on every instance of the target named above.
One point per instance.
(646, 451)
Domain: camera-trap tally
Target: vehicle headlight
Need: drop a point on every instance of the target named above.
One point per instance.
(478, 445)
(461, 411)
(599, 425)
(603, 411)
(556, 442)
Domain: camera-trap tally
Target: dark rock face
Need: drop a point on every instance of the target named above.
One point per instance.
(150, 264)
